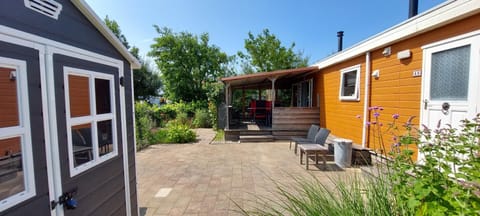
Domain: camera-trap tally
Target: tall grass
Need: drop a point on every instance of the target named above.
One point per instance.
(355, 194)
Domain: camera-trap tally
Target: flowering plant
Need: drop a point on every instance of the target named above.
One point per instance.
(446, 178)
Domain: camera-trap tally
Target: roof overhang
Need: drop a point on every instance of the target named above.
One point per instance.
(257, 79)
(106, 32)
(441, 15)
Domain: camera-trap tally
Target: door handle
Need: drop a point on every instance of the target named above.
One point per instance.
(425, 103)
(66, 200)
(445, 106)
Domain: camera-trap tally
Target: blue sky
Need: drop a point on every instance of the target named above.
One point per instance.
(312, 25)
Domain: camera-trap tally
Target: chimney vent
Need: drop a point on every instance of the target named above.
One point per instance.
(413, 8)
(340, 40)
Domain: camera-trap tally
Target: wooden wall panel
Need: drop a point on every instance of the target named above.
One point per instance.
(336, 115)
(8, 98)
(79, 95)
(294, 118)
(396, 89)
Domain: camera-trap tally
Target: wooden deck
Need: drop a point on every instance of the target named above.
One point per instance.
(287, 122)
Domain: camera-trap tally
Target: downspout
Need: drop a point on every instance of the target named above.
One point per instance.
(366, 99)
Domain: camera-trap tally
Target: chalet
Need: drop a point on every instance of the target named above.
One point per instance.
(427, 66)
(66, 115)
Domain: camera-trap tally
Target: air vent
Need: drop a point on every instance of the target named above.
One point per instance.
(49, 8)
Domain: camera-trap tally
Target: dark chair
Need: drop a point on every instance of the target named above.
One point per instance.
(315, 148)
(312, 131)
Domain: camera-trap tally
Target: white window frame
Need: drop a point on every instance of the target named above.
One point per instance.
(23, 130)
(92, 119)
(356, 95)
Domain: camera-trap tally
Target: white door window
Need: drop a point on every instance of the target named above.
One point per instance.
(90, 100)
(16, 160)
(450, 82)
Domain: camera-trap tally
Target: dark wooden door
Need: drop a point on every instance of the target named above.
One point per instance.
(89, 140)
(24, 184)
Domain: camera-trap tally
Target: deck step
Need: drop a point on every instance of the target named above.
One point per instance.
(256, 138)
(255, 133)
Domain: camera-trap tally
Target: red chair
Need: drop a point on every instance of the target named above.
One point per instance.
(252, 107)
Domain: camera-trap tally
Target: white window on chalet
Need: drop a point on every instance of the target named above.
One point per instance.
(91, 118)
(350, 83)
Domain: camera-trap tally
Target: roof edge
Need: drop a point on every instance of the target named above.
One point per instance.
(87, 11)
(440, 15)
(270, 73)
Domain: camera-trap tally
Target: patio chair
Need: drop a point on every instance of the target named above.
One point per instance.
(312, 131)
(320, 139)
(314, 148)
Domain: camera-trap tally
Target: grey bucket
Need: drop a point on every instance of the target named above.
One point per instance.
(343, 152)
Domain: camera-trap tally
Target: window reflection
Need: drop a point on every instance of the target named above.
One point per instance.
(349, 82)
(79, 95)
(102, 96)
(105, 143)
(11, 170)
(8, 98)
(82, 144)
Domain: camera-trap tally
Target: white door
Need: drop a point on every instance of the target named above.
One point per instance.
(450, 81)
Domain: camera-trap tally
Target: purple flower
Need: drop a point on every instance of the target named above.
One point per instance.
(374, 122)
(358, 116)
(396, 144)
(395, 116)
(394, 138)
(376, 114)
(380, 124)
(380, 108)
(368, 123)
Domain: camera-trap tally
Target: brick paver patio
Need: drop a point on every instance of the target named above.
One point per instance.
(203, 178)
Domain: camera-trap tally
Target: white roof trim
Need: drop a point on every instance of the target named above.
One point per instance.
(443, 14)
(102, 28)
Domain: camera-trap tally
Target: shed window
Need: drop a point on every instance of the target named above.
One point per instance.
(350, 83)
(90, 118)
(16, 161)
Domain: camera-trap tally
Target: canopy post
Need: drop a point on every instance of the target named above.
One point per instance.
(272, 79)
(227, 106)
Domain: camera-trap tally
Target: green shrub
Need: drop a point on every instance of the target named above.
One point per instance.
(201, 119)
(219, 135)
(180, 133)
(213, 114)
(159, 136)
(182, 118)
(143, 124)
(446, 180)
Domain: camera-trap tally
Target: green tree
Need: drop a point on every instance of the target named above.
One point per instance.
(188, 64)
(265, 52)
(146, 81)
(115, 28)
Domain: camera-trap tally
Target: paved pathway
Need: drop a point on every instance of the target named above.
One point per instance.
(203, 178)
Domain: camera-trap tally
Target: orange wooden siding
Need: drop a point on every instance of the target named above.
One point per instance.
(8, 98)
(79, 95)
(396, 89)
(337, 115)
